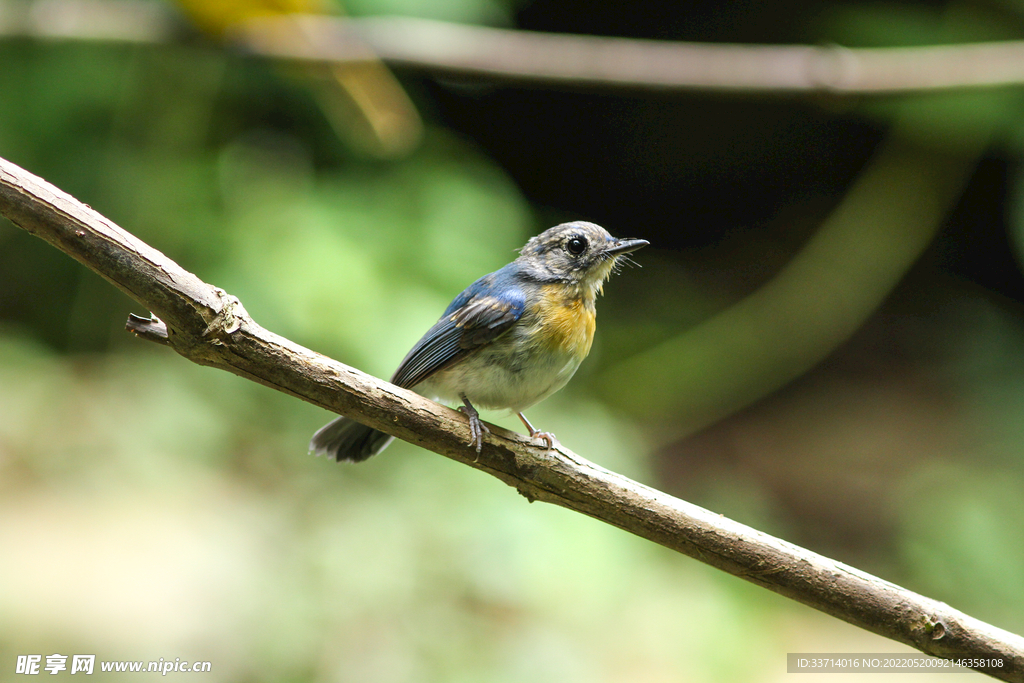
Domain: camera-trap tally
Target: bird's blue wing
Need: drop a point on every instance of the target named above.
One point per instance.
(481, 314)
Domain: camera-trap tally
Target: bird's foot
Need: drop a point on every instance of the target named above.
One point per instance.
(547, 437)
(476, 425)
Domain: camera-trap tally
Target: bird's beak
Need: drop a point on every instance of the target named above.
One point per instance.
(625, 246)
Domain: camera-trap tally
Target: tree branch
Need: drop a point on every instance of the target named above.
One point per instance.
(548, 57)
(636, 63)
(208, 326)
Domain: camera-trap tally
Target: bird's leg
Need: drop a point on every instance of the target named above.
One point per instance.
(548, 437)
(476, 427)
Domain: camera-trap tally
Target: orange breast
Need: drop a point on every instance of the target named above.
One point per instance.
(568, 322)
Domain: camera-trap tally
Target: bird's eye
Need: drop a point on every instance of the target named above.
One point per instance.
(576, 245)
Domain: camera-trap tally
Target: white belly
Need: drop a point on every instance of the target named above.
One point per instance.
(494, 378)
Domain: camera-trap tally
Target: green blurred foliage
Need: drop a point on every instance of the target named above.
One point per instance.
(153, 508)
(488, 12)
(182, 498)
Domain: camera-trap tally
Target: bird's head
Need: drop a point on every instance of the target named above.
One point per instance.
(580, 254)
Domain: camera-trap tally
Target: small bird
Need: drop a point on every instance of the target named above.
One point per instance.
(510, 340)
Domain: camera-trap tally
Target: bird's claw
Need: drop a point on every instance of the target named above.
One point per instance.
(547, 437)
(476, 425)
(535, 433)
(476, 432)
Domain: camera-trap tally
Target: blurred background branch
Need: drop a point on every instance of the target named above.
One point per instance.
(210, 327)
(639, 64)
(529, 56)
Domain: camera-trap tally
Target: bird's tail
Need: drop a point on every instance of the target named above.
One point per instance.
(345, 439)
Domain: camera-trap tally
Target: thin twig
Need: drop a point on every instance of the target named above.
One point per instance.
(636, 63)
(208, 326)
(151, 329)
(527, 56)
